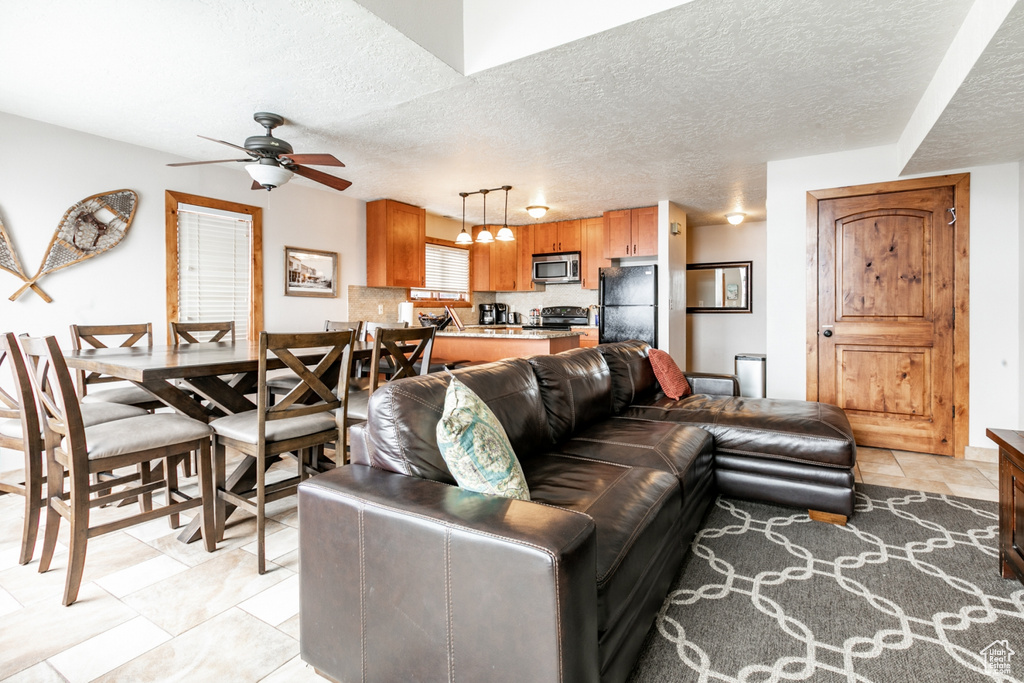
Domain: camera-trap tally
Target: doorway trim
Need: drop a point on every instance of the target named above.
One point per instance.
(961, 184)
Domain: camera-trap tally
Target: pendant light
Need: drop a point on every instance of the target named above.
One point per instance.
(464, 237)
(484, 236)
(505, 234)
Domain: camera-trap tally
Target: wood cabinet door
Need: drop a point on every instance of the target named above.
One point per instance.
(524, 241)
(407, 245)
(545, 238)
(504, 263)
(885, 316)
(644, 229)
(569, 235)
(592, 251)
(618, 234)
(480, 255)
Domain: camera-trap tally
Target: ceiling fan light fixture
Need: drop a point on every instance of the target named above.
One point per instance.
(735, 218)
(537, 211)
(269, 175)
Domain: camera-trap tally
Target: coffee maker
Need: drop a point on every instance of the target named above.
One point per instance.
(486, 314)
(501, 314)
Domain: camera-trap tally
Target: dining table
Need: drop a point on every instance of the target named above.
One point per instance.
(203, 381)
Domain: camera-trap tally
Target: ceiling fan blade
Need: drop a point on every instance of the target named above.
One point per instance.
(229, 144)
(256, 186)
(314, 159)
(197, 163)
(320, 177)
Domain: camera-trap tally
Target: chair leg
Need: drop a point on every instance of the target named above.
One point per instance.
(261, 495)
(209, 493)
(33, 504)
(54, 491)
(171, 484)
(79, 536)
(219, 484)
(145, 476)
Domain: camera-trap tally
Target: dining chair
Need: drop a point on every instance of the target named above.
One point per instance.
(123, 336)
(298, 425)
(407, 350)
(78, 451)
(280, 383)
(20, 431)
(184, 332)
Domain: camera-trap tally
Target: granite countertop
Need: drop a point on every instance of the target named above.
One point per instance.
(516, 334)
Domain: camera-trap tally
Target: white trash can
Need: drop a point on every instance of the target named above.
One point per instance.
(750, 368)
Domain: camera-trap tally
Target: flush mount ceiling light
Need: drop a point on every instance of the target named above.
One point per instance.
(268, 173)
(505, 235)
(537, 211)
(484, 236)
(735, 218)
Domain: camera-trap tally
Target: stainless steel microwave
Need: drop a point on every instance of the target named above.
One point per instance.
(556, 268)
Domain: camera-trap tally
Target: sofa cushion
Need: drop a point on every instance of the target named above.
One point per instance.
(671, 379)
(576, 388)
(778, 429)
(632, 377)
(402, 437)
(635, 510)
(475, 447)
(681, 450)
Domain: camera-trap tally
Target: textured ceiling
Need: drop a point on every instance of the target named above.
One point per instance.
(686, 105)
(984, 122)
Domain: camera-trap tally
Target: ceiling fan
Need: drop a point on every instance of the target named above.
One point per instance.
(272, 161)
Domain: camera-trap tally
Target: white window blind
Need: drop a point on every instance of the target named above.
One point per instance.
(214, 262)
(447, 273)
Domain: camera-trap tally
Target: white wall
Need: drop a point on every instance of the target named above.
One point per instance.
(57, 167)
(995, 295)
(716, 338)
(672, 251)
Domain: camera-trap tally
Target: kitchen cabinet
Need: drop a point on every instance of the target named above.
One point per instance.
(631, 232)
(550, 238)
(396, 238)
(588, 335)
(592, 251)
(502, 266)
(545, 238)
(524, 240)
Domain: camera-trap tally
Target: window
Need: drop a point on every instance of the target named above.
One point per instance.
(447, 274)
(214, 262)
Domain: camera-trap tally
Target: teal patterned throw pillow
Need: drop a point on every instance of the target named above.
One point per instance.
(475, 446)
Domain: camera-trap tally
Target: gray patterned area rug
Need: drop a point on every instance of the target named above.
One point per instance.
(909, 590)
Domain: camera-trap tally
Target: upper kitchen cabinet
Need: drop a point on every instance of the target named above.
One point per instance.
(592, 251)
(503, 266)
(524, 241)
(480, 263)
(504, 262)
(631, 232)
(396, 236)
(550, 238)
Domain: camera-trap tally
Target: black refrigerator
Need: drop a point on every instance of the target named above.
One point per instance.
(628, 298)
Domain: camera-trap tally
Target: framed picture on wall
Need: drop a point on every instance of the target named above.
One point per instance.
(310, 272)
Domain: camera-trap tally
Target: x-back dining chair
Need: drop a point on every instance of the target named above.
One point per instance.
(101, 337)
(185, 332)
(406, 350)
(280, 383)
(310, 415)
(20, 431)
(79, 451)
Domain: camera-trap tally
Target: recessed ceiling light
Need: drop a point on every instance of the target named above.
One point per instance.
(735, 218)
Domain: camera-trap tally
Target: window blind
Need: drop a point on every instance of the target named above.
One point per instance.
(214, 262)
(447, 272)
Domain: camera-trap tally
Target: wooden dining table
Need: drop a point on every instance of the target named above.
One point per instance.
(203, 381)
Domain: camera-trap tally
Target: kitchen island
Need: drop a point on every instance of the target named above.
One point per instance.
(481, 344)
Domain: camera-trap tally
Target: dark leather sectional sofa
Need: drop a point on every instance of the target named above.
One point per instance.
(406, 577)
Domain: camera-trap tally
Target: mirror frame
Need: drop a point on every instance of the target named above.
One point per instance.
(724, 264)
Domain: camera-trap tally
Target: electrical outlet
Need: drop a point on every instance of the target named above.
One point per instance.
(380, 309)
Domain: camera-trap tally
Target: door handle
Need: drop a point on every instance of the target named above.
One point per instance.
(634, 249)
(827, 333)
(559, 246)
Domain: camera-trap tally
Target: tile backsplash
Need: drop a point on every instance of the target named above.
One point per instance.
(553, 295)
(363, 304)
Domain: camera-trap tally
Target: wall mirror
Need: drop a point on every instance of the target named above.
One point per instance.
(718, 287)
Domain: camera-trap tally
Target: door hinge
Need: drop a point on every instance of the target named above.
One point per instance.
(953, 213)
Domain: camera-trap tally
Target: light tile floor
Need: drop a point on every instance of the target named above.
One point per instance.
(153, 609)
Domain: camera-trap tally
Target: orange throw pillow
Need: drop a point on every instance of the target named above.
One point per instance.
(670, 377)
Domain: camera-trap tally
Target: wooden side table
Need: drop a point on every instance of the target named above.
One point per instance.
(1011, 501)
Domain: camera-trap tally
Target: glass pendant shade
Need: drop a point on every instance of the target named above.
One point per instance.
(484, 236)
(464, 238)
(505, 235)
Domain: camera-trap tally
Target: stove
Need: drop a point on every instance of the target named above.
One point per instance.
(560, 318)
